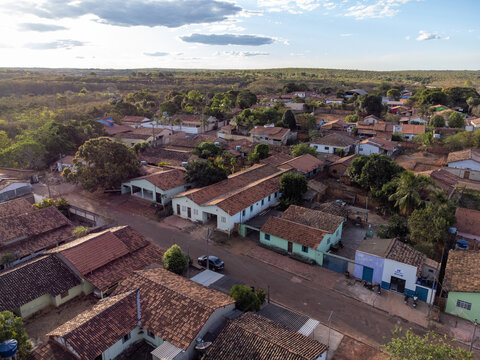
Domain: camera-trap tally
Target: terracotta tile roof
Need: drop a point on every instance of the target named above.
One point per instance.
(444, 179)
(275, 133)
(294, 232)
(333, 208)
(347, 160)
(116, 129)
(15, 207)
(252, 336)
(165, 180)
(133, 120)
(381, 143)
(413, 129)
(234, 183)
(334, 139)
(242, 198)
(29, 281)
(109, 256)
(475, 121)
(313, 218)
(173, 157)
(94, 331)
(331, 158)
(317, 186)
(189, 141)
(276, 159)
(67, 160)
(468, 154)
(51, 351)
(173, 307)
(406, 254)
(461, 273)
(29, 224)
(468, 221)
(304, 163)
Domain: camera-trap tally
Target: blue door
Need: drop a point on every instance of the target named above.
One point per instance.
(367, 274)
(422, 293)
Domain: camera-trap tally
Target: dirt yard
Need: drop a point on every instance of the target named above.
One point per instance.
(351, 349)
(421, 161)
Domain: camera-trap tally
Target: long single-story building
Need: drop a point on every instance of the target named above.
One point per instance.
(332, 143)
(234, 200)
(465, 164)
(397, 267)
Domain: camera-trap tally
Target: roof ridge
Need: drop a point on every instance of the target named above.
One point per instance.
(268, 339)
(307, 226)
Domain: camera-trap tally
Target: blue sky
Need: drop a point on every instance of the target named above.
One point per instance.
(352, 34)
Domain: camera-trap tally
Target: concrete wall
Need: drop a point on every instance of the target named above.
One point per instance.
(367, 149)
(280, 243)
(166, 196)
(329, 149)
(402, 271)
(371, 261)
(473, 298)
(36, 305)
(458, 168)
(331, 239)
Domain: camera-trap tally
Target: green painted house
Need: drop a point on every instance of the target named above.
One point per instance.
(462, 281)
(304, 232)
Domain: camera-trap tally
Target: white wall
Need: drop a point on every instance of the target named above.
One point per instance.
(144, 184)
(135, 335)
(367, 149)
(329, 149)
(465, 164)
(402, 271)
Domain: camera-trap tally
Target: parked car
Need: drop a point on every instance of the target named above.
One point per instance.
(214, 262)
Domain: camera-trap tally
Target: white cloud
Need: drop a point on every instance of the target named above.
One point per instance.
(425, 35)
(407, 37)
(292, 6)
(346, 35)
(241, 53)
(375, 9)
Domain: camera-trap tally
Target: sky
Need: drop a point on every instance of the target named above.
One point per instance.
(241, 34)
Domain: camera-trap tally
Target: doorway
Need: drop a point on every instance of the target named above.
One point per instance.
(189, 213)
(290, 247)
(178, 209)
(397, 284)
(367, 274)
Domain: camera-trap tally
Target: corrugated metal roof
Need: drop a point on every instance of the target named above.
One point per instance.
(166, 351)
(207, 277)
(309, 327)
(292, 320)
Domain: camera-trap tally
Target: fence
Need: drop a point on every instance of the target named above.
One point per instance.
(12, 194)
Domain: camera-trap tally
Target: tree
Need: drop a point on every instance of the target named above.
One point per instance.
(425, 139)
(306, 121)
(245, 99)
(293, 187)
(289, 119)
(437, 121)
(102, 163)
(25, 154)
(353, 118)
(407, 196)
(175, 260)
(204, 173)
(393, 94)
(61, 204)
(408, 346)
(253, 158)
(455, 120)
(11, 327)
(7, 258)
(246, 299)
(5, 141)
(373, 171)
(303, 148)
(207, 150)
(370, 104)
(431, 97)
(262, 150)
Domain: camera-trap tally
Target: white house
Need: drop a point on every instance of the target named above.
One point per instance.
(188, 123)
(376, 145)
(332, 143)
(465, 164)
(334, 101)
(158, 187)
(234, 200)
(269, 134)
(396, 266)
(372, 119)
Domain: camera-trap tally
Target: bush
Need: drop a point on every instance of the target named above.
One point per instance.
(11, 327)
(7, 258)
(80, 231)
(246, 299)
(175, 260)
(61, 204)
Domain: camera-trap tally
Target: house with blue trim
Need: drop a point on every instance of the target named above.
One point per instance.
(397, 267)
(304, 232)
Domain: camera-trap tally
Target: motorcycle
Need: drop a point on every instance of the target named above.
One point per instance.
(379, 291)
(405, 299)
(368, 285)
(415, 298)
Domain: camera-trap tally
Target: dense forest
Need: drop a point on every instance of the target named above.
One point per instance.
(48, 112)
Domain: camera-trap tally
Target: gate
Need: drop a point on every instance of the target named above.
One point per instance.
(335, 263)
(367, 274)
(422, 293)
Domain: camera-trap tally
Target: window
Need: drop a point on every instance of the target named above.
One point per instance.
(275, 195)
(243, 212)
(304, 249)
(262, 201)
(195, 211)
(152, 335)
(464, 305)
(224, 219)
(126, 338)
(251, 208)
(267, 236)
(64, 294)
(269, 197)
(327, 148)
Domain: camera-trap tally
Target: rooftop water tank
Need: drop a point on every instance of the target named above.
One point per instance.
(8, 348)
(184, 164)
(217, 143)
(238, 147)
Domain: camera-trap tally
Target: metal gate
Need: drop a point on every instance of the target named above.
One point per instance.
(335, 263)
(422, 293)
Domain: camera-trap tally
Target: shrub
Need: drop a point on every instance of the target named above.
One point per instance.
(80, 231)
(175, 260)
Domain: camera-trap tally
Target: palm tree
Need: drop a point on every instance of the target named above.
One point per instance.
(407, 196)
(204, 122)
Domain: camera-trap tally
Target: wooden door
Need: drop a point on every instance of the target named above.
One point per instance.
(178, 209)
(290, 247)
(189, 211)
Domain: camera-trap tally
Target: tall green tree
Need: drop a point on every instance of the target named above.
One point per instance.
(437, 121)
(175, 260)
(455, 120)
(5, 141)
(407, 196)
(246, 299)
(394, 94)
(11, 327)
(25, 154)
(102, 163)
(289, 119)
(207, 150)
(262, 150)
(410, 346)
(370, 104)
(293, 187)
(204, 173)
(373, 171)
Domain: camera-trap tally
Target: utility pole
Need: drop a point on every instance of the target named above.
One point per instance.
(48, 185)
(208, 257)
(473, 336)
(329, 328)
